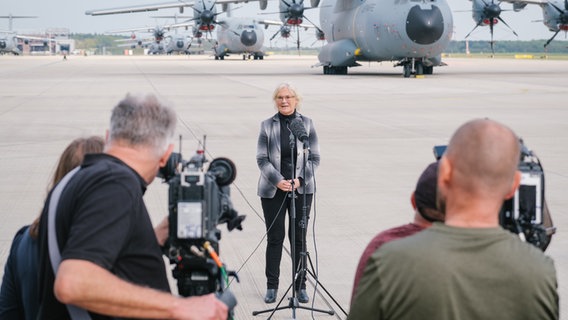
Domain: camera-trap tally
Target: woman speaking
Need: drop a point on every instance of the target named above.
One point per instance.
(283, 177)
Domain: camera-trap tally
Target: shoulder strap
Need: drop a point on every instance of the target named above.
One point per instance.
(76, 313)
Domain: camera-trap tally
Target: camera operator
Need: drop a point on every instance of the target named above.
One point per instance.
(111, 263)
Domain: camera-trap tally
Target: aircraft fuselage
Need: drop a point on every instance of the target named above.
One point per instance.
(381, 30)
(8, 44)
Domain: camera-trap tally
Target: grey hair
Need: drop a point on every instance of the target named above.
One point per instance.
(286, 85)
(143, 120)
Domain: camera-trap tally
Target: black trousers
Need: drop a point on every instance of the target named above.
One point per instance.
(274, 216)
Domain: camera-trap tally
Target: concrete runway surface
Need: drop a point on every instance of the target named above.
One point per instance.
(376, 132)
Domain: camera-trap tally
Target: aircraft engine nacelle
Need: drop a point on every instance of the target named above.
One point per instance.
(26, 41)
(339, 53)
(263, 4)
(285, 32)
(320, 35)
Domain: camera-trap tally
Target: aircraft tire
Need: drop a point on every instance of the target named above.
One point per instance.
(419, 68)
(406, 70)
(334, 70)
(428, 70)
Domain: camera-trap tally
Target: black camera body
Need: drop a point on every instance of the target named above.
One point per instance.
(198, 201)
(526, 213)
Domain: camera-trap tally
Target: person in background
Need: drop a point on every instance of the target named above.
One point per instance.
(19, 291)
(469, 267)
(278, 178)
(423, 201)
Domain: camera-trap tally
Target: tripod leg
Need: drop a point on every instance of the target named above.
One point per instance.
(319, 284)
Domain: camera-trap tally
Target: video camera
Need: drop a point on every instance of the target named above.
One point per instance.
(526, 213)
(198, 201)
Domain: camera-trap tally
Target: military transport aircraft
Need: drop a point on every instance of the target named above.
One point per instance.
(9, 39)
(554, 12)
(154, 44)
(235, 35)
(239, 36)
(159, 43)
(412, 32)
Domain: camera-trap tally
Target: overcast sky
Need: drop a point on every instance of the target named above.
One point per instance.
(71, 14)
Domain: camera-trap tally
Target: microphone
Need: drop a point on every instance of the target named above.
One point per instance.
(298, 129)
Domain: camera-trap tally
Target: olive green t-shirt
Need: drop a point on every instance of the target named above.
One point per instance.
(450, 273)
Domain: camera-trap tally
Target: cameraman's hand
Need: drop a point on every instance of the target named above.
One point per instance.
(206, 307)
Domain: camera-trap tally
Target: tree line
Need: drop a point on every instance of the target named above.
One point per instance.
(99, 41)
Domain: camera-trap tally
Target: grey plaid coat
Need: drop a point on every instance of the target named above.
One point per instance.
(268, 157)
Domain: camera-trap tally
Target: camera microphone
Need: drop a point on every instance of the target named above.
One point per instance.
(298, 129)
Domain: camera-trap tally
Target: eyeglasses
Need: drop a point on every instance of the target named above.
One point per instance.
(282, 98)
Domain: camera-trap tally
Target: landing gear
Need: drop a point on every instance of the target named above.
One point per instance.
(416, 67)
(334, 70)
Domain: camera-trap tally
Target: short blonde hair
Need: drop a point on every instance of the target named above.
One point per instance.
(286, 85)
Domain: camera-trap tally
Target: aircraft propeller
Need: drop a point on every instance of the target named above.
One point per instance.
(294, 16)
(206, 17)
(490, 14)
(562, 20)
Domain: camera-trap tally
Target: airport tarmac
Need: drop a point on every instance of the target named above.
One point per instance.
(376, 131)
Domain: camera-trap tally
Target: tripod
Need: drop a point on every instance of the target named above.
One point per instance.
(301, 268)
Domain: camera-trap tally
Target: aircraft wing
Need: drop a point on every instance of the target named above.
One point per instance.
(140, 29)
(139, 8)
(18, 36)
(30, 38)
(154, 7)
(181, 25)
(537, 2)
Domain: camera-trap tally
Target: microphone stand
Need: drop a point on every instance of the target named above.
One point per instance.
(294, 304)
(305, 256)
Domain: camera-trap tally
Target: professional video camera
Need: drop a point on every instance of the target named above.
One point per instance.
(199, 200)
(526, 213)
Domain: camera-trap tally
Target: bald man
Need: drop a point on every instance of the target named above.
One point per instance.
(469, 267)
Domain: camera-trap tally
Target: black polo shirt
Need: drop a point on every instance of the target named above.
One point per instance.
(102, 218)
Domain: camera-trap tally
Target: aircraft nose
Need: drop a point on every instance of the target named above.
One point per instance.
(425, 26)
(248, 38)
